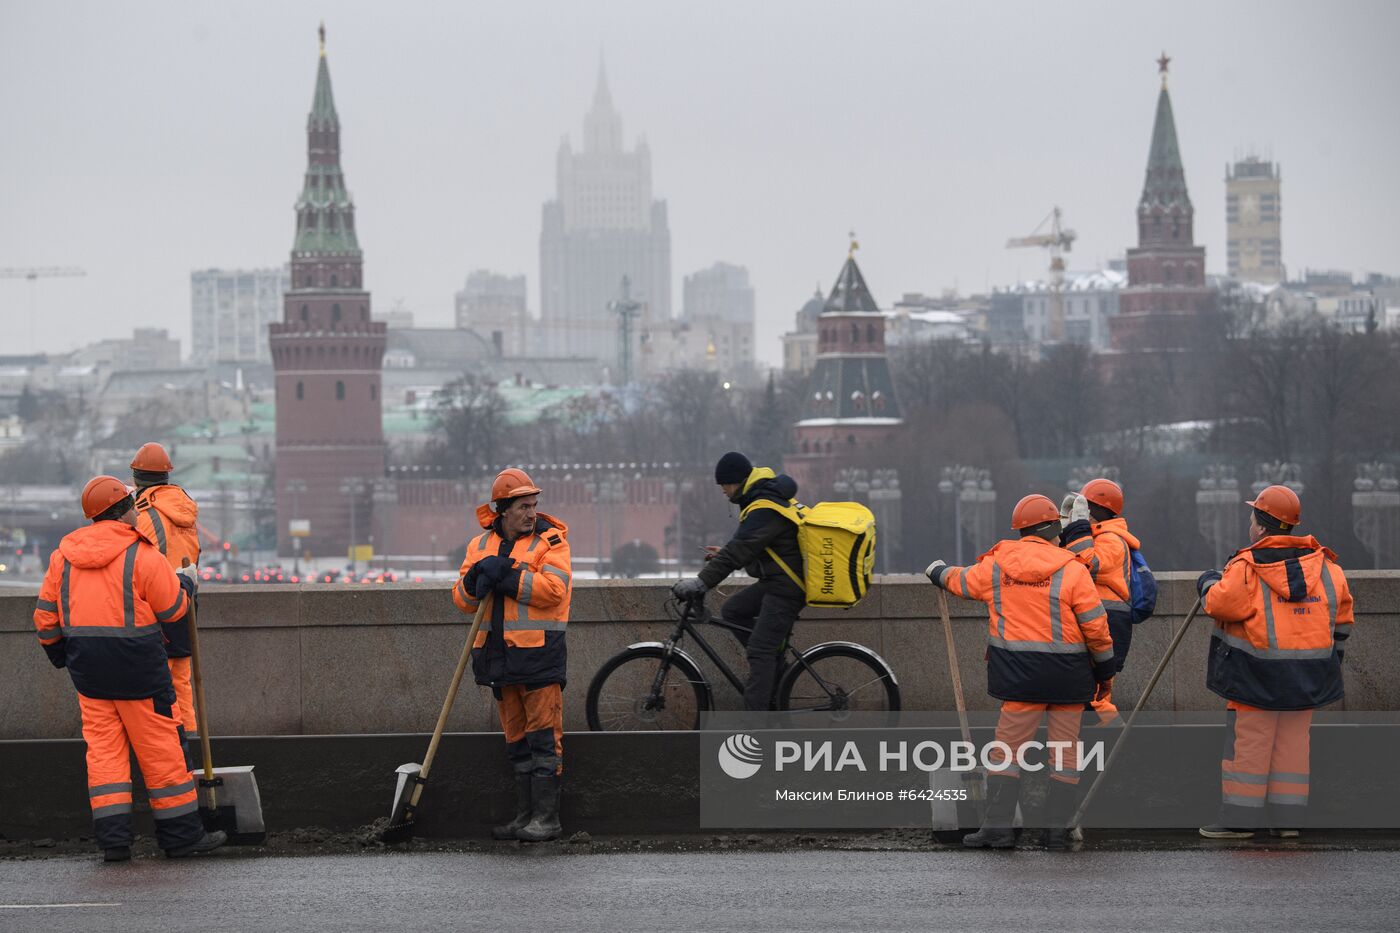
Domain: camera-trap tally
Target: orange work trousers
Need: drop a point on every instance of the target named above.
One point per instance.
(112, 729)
(1017, 726)
(533, 721)
(1264, 768)
(184, 693)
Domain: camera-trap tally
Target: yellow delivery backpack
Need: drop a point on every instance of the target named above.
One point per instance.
(837, 541)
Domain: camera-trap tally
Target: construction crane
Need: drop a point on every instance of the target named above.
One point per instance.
(32, 274)
(1058, 241)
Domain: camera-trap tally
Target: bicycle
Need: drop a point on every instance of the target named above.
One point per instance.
(656, 685)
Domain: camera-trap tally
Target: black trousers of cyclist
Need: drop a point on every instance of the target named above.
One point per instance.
(767, 610)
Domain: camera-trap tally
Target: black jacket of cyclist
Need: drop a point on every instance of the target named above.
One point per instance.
(766, 610)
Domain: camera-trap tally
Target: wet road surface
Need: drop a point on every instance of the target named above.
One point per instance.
(554, 889)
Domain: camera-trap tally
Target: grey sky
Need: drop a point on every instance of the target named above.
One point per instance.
(143, 140)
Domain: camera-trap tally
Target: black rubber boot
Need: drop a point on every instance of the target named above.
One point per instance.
(209, 843)
(996, 831)
(544, 821)
(522, 809)
(117, 854)
(1059, 807)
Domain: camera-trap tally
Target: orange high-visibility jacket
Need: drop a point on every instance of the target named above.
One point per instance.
(1047, 635)
(105, 598)
(524, 643)
(166, 514)
(1282, 613)
(1105, 551)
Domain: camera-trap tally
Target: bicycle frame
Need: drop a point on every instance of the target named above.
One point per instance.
(685, 626)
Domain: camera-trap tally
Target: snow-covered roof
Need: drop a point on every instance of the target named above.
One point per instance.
(1099, 280)
(930, 317)
(832, 422)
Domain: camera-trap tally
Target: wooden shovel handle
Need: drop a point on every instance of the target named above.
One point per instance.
(201, 712)
(953, 665)
(452, 693)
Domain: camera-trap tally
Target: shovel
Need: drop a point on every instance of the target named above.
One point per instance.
(1078, 817)
(974, 781)
(411, 777)
(228, 797)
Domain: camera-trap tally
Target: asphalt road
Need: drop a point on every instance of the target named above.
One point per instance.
(520, 889)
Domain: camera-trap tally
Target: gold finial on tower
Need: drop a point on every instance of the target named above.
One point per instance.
(1162, 64)
(854, 246)
(322, 33)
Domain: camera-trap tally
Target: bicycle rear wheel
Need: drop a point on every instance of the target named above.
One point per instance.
(621, 697)
(839, 678)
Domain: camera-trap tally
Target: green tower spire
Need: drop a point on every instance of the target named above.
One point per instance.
(1165, 185)
(325, 211)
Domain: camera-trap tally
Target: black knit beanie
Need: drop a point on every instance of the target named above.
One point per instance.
(733, 467)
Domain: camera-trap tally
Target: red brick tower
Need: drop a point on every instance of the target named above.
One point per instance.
(1167, 304)
(327, 352)
(851, 408)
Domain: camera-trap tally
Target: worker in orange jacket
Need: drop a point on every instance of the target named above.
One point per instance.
(521, 562)
(1098, 535)
(1283, 613)
(1048, 651)
(105, 606)
(166, 515)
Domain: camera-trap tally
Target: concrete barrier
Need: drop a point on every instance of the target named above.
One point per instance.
(630, 783)
(351, 659)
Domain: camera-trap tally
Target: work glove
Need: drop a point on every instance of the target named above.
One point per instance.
(689, 589)
(1205, 581)
(1103, 690)
(1078, 510)
(1066, 504)
(58, 655)
(486, 573)
(935, 570)
(189, 572)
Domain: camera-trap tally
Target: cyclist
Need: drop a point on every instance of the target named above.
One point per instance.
(765, 611)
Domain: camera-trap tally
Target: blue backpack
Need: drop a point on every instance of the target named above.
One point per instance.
(1142, 588)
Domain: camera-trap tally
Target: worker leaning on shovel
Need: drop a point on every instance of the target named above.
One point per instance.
(1048, 651)
(522, 562)
(103, 612)
(1283, 613)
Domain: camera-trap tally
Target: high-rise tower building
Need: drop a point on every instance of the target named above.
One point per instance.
(602, 225)
(1166, 304)
(230, 310)
(1253, 221)
(851, 408)
(328, 354)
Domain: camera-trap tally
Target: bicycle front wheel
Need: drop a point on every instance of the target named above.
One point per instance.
(839, 678)
(641, 690)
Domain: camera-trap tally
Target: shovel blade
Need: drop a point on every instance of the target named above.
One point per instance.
(400, 812)
(237, 806)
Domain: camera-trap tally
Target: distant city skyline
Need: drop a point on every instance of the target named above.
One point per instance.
(147, 141)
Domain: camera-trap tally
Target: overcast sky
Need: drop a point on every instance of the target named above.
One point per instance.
(143, 140)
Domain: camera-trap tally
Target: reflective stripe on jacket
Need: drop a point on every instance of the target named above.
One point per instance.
(524, 642)
(166, 515)
(1047, 630)
(1282, 611)
(1104, 549)
(106, 596)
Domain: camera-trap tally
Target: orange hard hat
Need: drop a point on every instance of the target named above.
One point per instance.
(1281, 503)
(510, 483)
(152, 458)
(101, 493)
(1104, 492)
(1034, 510)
